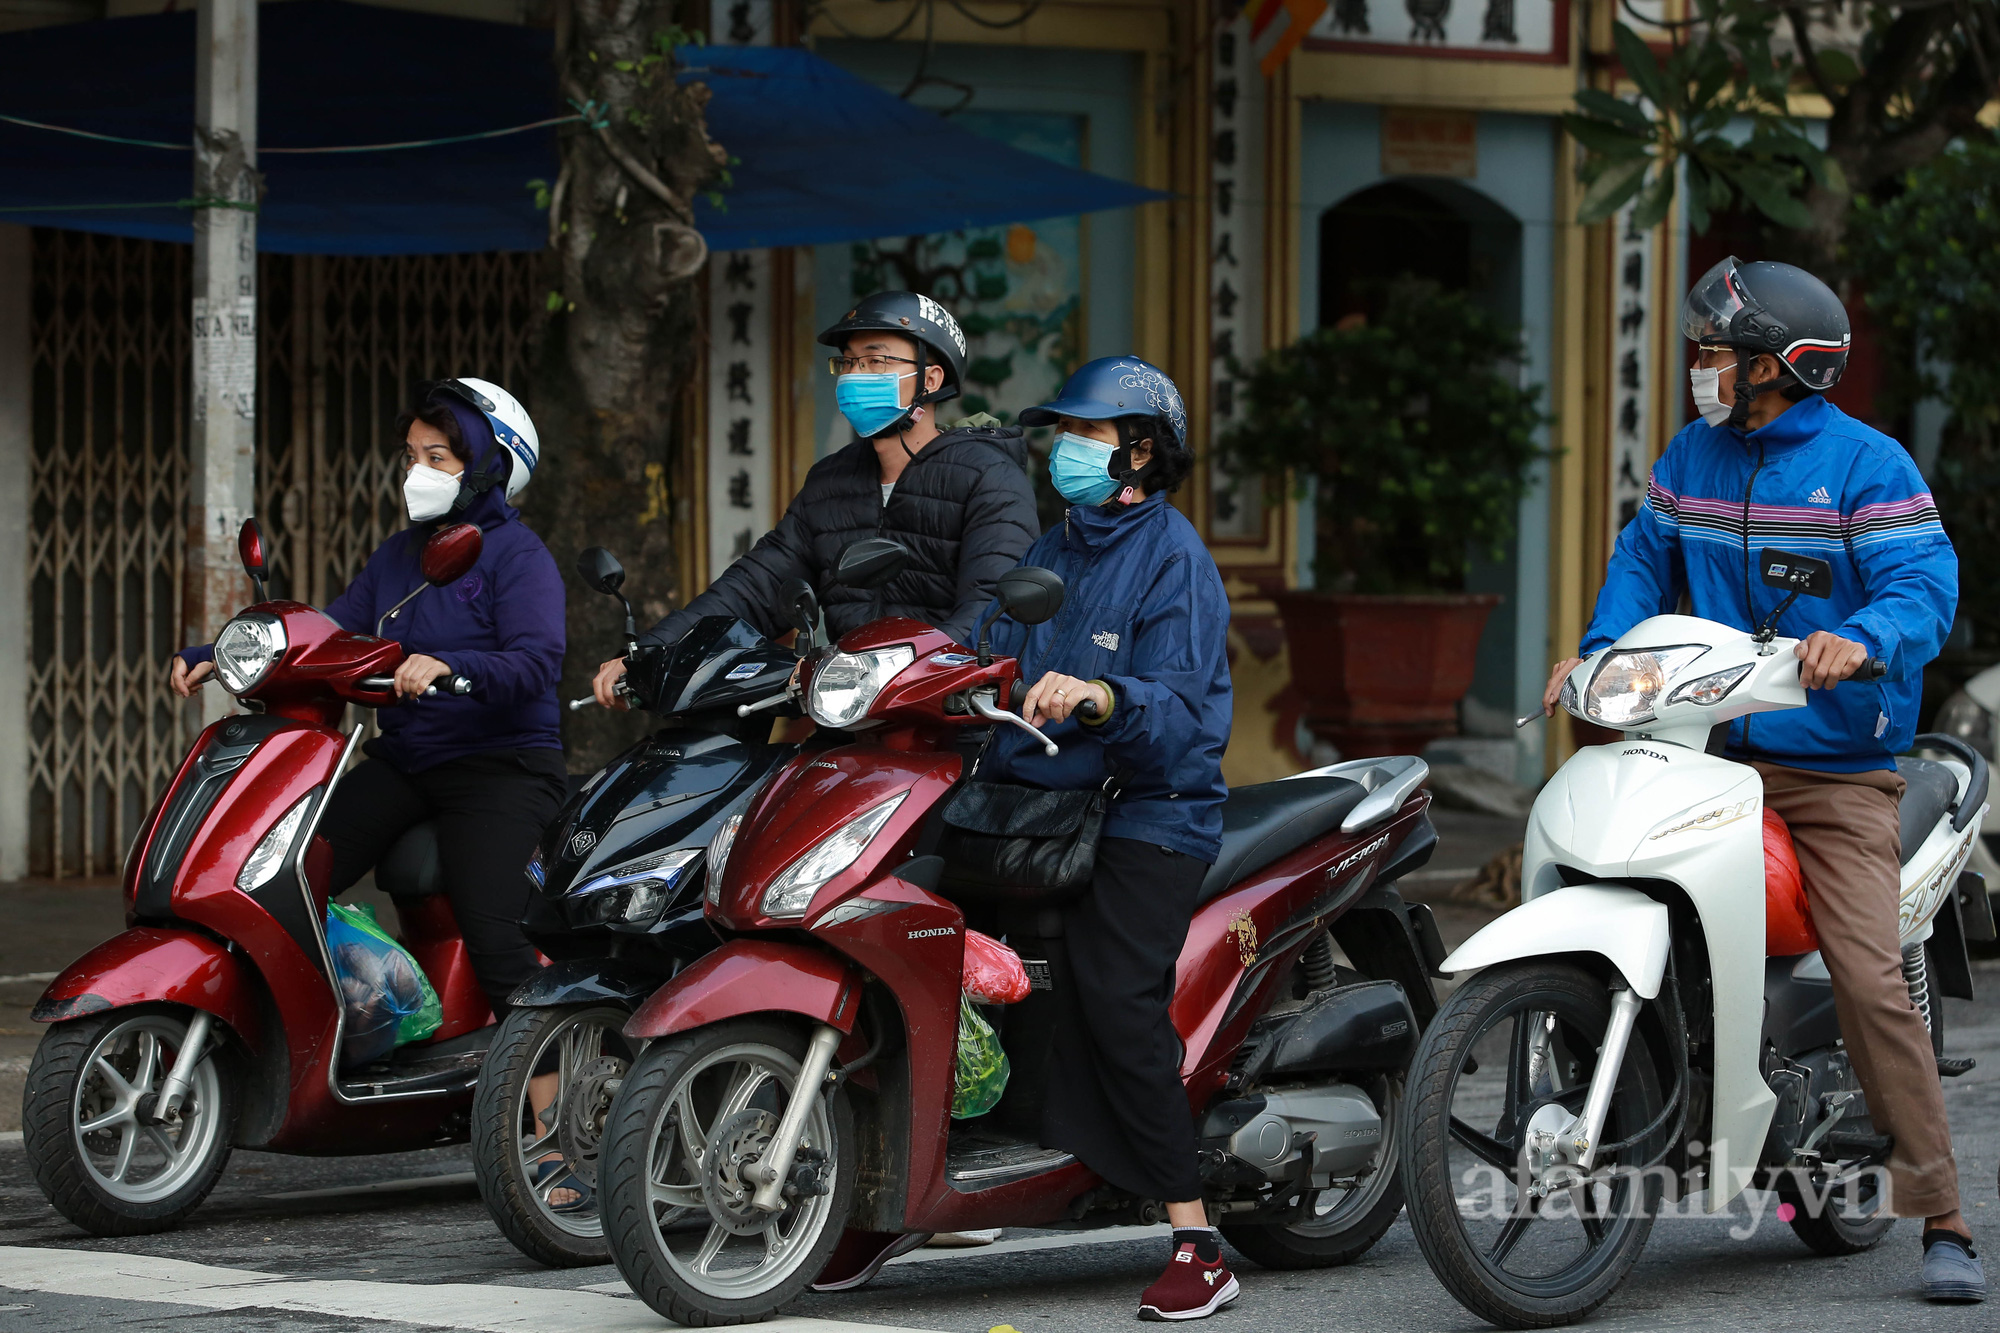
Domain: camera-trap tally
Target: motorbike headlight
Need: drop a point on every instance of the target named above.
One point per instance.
(1711, 689)
(792, 892)
(1964, 717)
(845, 684)
(273, 849)
(247, 649)
(1628, 685)
(718, 857)
(1567, 699)
(633, 894)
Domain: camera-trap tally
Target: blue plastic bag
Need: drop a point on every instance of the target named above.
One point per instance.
(380, 986)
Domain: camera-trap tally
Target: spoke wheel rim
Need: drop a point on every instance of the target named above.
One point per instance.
(696, 1246)
(1538, 1067)
(133, 1161)
(580, 1039)
(1335, 1209)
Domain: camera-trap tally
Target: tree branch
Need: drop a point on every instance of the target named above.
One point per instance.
(1803, 37)
(636, 169)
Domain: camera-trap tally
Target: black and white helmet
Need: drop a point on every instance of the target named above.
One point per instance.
(915, 316)
(1775, 309)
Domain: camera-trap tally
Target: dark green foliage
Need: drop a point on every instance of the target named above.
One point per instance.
(1415, 430)
(1929, 260)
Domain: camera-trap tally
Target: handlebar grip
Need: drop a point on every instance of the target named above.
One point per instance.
(1873, 669)
(451, 685)
(1087, 710)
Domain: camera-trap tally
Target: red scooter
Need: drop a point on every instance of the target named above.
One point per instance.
(788, 1123)
(215, 1019)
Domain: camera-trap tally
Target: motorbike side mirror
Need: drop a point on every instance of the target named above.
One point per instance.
(871, 562)
(1028, 593)
(451, 553)
(250, 549)
(1795, 574)
(801, 607)
(601, 570)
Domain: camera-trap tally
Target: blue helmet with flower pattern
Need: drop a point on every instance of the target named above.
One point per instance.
(1112, 387)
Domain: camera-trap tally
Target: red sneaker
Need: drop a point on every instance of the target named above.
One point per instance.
(1189, 1289)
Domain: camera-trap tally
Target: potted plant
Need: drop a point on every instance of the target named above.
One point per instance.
(1414, 439)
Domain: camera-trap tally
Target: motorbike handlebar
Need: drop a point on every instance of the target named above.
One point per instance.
(1873, 669)
(444, 685)
(1087, 709)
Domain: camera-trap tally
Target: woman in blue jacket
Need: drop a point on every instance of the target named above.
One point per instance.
(487, 767)
(1143, 632)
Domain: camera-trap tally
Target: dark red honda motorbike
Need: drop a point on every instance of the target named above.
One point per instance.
(215, 1020)
(788, 1123)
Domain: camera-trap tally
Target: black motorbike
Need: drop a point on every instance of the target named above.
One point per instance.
(617, 907)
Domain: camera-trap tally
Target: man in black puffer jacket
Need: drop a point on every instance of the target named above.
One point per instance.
(959, 499)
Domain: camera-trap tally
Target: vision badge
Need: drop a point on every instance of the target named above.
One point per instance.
(1245, 931)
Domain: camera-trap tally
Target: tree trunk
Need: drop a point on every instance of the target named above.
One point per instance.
(621, 336)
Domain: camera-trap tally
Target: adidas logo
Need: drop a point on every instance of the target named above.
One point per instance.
(1819, 497)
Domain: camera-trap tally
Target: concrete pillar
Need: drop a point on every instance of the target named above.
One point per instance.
(16, 463)
(222, 440)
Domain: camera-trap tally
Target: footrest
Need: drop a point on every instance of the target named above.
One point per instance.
(1953, 1066)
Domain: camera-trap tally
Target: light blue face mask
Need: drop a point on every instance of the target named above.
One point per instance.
(871, 403)
(1080, 467)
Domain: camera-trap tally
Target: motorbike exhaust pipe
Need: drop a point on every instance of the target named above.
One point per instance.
(771, 1173)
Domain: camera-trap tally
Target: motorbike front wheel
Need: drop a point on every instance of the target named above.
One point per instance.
(91, 1128)
(693, 1112)
(1515, 1048)
(525, 1156)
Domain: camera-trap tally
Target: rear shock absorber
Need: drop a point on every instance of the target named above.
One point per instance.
(1916, 975)
(1316, 964)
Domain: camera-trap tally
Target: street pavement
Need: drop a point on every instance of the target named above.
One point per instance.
(401, 1242)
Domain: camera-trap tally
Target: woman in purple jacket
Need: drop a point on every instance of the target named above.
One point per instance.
(487, 767)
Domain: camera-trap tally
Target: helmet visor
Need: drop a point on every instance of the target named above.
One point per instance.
(1714, 306)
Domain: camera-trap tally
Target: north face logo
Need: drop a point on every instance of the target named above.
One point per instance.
(1819, 497)
(1106, 640)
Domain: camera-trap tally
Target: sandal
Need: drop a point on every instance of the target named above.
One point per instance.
(549, 1166)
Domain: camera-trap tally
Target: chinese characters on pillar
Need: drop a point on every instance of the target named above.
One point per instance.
(741, 394)
(740, 401)
(1631, 370)
(1235, 506)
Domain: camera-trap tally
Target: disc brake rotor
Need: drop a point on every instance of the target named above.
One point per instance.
(738, 1141)
(586, 1101)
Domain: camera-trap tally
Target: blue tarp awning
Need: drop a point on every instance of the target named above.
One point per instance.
(823, 156)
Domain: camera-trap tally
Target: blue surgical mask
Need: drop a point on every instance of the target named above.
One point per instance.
(871, 403)
(1080, 467)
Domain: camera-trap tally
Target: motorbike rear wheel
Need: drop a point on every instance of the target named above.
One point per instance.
(1537, 1028)
(89, 1124)
(508, 1150)
(1344, 1223)
(694, 1110)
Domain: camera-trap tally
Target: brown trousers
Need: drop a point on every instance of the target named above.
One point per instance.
(1845, 828)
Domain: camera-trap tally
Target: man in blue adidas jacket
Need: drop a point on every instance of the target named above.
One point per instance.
(1772, 463)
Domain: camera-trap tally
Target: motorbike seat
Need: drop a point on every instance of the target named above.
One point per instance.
(1932, 790)
(409, 869)
(1264, 822)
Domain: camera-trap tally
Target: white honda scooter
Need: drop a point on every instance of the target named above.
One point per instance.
(1629, 1039)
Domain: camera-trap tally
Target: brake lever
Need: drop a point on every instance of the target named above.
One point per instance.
(985, 709)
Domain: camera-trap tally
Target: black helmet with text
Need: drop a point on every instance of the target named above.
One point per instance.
(939, 341)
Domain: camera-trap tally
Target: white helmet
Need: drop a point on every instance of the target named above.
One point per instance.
(511, 424)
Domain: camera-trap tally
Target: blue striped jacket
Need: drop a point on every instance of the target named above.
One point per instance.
(1818, 482)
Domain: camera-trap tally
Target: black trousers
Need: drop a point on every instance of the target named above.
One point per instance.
(490, 809)
(1115, 1097)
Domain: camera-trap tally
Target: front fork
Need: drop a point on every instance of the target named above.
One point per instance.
(776, 1167)
(1561, 1154)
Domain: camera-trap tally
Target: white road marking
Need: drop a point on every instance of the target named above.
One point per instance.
(454, 1305)
(1019, 1245)
(382, 1186)
(27, 976)
(10, 1138)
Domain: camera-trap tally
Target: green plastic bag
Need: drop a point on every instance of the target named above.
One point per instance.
(982, 1065)
(429, 1016)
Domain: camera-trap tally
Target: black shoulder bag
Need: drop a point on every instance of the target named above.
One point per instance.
(1006, 843)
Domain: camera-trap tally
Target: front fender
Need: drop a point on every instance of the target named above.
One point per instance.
(588, 981)
(1620, 924)
(753, 976)
(155, 965)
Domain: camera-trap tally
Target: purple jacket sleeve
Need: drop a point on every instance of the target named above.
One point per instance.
(528, 621)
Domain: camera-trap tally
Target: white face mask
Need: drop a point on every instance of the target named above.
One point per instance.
(1702, 383)
(428, 493)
